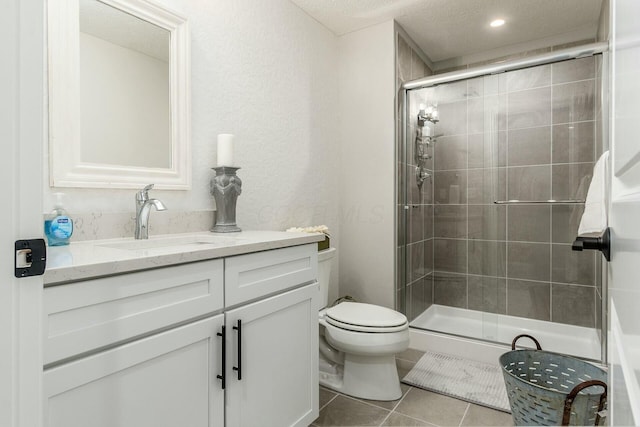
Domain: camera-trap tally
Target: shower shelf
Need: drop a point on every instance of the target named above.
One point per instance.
(525, 202)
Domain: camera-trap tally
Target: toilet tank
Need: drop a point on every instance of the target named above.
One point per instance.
(325, 259)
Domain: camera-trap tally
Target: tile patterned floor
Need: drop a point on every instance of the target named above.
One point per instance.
(416, 407)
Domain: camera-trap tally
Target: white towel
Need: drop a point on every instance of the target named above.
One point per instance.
(595, 219)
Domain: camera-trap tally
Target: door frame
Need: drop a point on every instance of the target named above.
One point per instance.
(624, 207)
(21, 167)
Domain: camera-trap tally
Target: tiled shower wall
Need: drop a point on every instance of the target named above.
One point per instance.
(414, 287)
(530, 134)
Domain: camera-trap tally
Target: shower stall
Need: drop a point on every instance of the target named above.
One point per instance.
(494, 165)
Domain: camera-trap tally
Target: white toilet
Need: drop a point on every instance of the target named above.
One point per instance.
(358, 343)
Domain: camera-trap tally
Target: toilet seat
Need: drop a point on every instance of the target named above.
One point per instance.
(361, 317)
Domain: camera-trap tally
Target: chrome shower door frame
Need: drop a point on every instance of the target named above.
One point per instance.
(438, 79)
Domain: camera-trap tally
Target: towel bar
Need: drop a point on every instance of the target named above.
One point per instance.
(524, 202)
(600, 243)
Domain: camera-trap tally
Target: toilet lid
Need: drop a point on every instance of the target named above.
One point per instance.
(365, 317)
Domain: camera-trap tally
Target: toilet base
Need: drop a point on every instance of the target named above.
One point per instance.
(365, 377)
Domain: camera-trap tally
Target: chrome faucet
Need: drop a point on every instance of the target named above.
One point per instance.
(143, 208)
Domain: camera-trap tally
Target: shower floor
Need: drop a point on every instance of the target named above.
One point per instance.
(567, 339)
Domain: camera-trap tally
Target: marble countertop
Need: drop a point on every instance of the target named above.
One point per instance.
(95, 258)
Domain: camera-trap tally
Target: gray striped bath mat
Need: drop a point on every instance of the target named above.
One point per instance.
(475, 382)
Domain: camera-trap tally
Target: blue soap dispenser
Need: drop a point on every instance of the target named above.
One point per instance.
(58, 227)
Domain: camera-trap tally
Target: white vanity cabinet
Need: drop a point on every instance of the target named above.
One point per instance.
(146, 348)
(90, 314)
(272, 343)
(151, 372)
(274, 351)
(165, 380)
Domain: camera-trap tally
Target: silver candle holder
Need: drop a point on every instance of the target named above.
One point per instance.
(225, 188)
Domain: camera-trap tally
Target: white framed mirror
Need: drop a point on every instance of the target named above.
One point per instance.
(119, 95)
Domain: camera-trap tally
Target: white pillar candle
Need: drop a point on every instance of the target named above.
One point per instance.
(225, 149)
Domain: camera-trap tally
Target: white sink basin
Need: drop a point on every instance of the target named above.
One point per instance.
(170, 242)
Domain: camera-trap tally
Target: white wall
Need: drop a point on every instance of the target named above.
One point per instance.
(366, 88)
(266, 72)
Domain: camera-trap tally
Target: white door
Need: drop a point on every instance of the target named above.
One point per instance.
(21, 141)
(165, 380)
(277, 381)
(624, 269)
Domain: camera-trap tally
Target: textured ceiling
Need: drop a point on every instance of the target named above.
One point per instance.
(447, 29)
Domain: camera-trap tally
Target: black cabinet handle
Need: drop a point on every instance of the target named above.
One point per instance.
(224, 356)
(239, 367)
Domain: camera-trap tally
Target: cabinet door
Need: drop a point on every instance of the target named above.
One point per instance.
(278, 361)
(251, 276)
(91, 314)
(165, 380)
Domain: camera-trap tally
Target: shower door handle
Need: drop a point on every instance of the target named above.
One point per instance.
(238, 368)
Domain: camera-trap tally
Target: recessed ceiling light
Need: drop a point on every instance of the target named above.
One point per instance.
(497, 23)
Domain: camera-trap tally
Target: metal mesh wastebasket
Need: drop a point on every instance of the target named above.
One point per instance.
(547, 389)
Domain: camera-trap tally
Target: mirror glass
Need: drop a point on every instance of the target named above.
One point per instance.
(125, 116)
(118, 95)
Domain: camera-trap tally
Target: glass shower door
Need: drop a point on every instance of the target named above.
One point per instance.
(476, 264)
